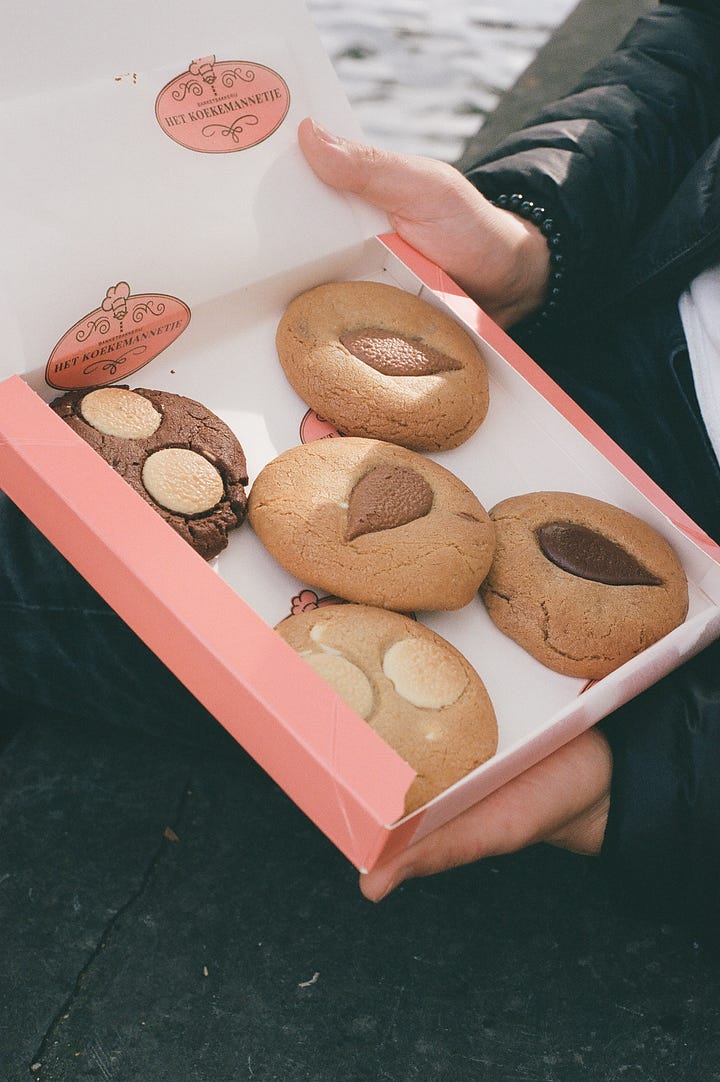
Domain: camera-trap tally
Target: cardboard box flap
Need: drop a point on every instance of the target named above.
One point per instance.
(589, 432)
(295, 725)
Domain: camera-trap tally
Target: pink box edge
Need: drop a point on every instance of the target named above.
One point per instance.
(463, 305)
(369, 835)
(165, 580)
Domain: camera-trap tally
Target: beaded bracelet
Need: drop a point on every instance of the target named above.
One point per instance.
(525, 208)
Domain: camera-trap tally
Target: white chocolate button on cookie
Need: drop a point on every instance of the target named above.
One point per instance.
(425, 674)
(182, 481)
(415, 689)
(116, 411)
(349, 681)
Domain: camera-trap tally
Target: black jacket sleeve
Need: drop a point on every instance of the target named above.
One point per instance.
(606, 159)
(662, 843)
(639, 134)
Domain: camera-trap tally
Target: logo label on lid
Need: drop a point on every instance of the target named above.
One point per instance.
(126, 332)
(314, 427)
(219, 107)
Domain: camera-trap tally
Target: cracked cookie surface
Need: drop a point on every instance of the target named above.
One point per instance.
(178, 455)
(373, 523)
(581, 584)
(381, 363)
(417, 691)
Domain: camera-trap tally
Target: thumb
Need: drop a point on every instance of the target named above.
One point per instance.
(498, 258)
(381, 177)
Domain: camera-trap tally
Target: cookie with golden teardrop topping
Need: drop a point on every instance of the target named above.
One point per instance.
(385, 364)
(373, 523)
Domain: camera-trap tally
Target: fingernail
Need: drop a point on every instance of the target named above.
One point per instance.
(325, 135)
(392, 882)
(373, 894)
(388, 888)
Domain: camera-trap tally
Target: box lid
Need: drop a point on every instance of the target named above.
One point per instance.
(157, 149)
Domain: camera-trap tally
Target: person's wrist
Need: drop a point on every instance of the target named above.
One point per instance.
(510, 282)
(541, 265)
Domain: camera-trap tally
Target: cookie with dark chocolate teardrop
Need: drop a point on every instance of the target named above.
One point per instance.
(581, 584)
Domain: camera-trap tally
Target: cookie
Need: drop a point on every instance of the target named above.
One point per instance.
(181, 458)
(381, 363)
(416, 690)
(373, 523)
(582, 585)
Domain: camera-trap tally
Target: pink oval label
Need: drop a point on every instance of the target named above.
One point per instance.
(116, 339)
(314, 427)
(219, 107)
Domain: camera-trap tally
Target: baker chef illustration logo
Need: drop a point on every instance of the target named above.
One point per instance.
(122, 334)
(308, 600)
(219, 107)
(205, 69)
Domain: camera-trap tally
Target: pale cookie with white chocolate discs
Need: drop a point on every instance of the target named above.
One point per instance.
(178, 455)
(381, 363)
(415, 689)
(581, 584)
(373, 523)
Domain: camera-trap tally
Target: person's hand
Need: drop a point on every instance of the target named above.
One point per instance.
(502, 261)
(498, 258)
(563, 800)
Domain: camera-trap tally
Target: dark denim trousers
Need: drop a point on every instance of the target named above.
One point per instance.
(62, 648)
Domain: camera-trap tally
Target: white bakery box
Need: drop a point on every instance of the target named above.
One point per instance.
(157, 217)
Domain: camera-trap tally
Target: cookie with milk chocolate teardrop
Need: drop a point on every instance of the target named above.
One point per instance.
(178, 455)
(381, 363)
(581, 584)
(373, 523)
(417, 691)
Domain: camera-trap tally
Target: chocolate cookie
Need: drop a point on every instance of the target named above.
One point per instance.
(415, 689)
(582, 585)
(373, 523)
(181, 458)
(378, 362)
